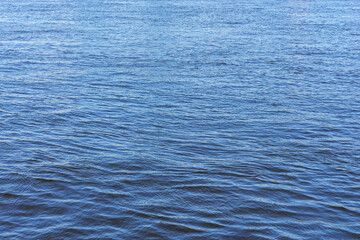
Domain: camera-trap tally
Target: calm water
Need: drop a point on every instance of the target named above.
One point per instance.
(183, 119)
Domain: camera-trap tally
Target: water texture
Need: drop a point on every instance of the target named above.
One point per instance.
(181, 119)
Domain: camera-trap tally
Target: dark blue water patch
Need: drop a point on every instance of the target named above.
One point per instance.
(179, 120)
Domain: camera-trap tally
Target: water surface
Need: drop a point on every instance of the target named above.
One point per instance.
(179, 119)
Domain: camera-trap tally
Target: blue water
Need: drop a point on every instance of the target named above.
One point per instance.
(180, 119)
